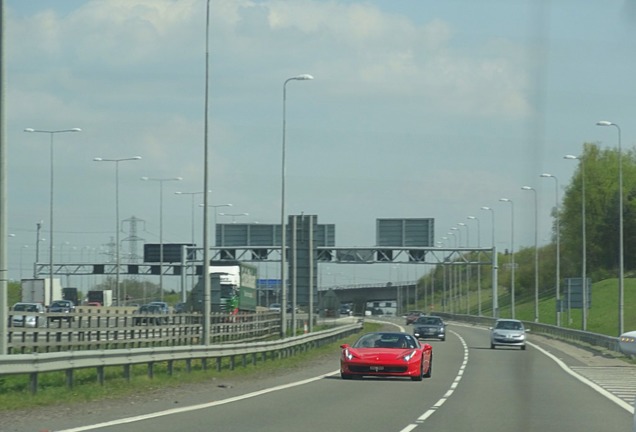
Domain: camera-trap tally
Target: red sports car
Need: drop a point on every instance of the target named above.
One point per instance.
(387, 354)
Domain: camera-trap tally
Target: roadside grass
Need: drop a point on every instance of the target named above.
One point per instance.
(602, 316)
(52, 389)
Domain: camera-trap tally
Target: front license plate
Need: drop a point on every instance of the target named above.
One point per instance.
(376, 368)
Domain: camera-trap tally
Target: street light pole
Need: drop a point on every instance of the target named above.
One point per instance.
(512, 254)
(161, 182)
(476, 219)
(51, 181)
(117, 228)
(495, 294)
(557, 286)
(467, 268)
(583, 241)
(536, 254)
(621, 277)
(453, 277)
(192, 195)
(283, 243)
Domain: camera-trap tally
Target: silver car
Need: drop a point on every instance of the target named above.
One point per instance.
(32, 319)
(508, 332)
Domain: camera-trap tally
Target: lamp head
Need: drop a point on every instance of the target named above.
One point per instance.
(546, 175)
(527, 188)
(570, 157)
(604, 123)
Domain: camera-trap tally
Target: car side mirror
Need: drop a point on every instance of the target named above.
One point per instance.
(343, 346)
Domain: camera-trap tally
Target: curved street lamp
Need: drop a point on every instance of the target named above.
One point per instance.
(117, 228)
(234, 215)
(512, 254)
(536, 254)
(51, 181)
(495, 294)
(621, 276)
(161, 181)
(583, 240)
(476, 219)
(283, 244)
(558, 246)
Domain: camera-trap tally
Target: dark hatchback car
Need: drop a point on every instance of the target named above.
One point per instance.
(429, 327)
(150, 314)
(61, 310)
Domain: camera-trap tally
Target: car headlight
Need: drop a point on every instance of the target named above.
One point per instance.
(409, 356)
(441, 329)
(347, 354)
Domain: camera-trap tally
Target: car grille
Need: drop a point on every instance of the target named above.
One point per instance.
(508, 341)
(372, 369)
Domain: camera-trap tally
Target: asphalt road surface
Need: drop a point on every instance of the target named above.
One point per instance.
(548, 387)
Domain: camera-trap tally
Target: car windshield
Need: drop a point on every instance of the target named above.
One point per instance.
(429, 321)
(25, 308)
(60, 304)
(386, 340)
(509, 325)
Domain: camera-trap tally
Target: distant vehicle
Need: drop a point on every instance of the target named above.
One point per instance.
(93, 303)
(71, 294)
(508, 332)
(275, 307)
(150, 314)
(163, 306)
(232, 287)
(387, 354)
(345, 310)
(40, 291)
(32, 319)
(59, 307)
(627, 343)
(103, 297)
(180, 308)
(429, 327)
(412, 316)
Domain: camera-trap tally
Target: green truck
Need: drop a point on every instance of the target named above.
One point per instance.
(232, 288)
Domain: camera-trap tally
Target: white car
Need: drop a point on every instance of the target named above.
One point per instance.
(275, 307)
(508, 332)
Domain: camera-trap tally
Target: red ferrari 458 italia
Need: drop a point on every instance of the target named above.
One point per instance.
(387, 354)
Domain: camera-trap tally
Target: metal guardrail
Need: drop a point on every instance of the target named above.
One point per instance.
(69, 361)
(92, 331)
(568, 335)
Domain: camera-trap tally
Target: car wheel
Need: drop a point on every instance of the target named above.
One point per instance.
(492, 345)
(345, 376)
(429, 372)
(523, 347)
(442, 339)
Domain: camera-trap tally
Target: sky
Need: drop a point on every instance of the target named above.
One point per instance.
(417, 109)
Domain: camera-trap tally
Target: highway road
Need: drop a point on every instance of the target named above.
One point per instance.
(473, 388)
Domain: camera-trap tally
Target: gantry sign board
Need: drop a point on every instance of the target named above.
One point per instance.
(412, 239)
(263, 239)
(403, 233)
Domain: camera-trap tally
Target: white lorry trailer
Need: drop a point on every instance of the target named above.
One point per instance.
(40, 291)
